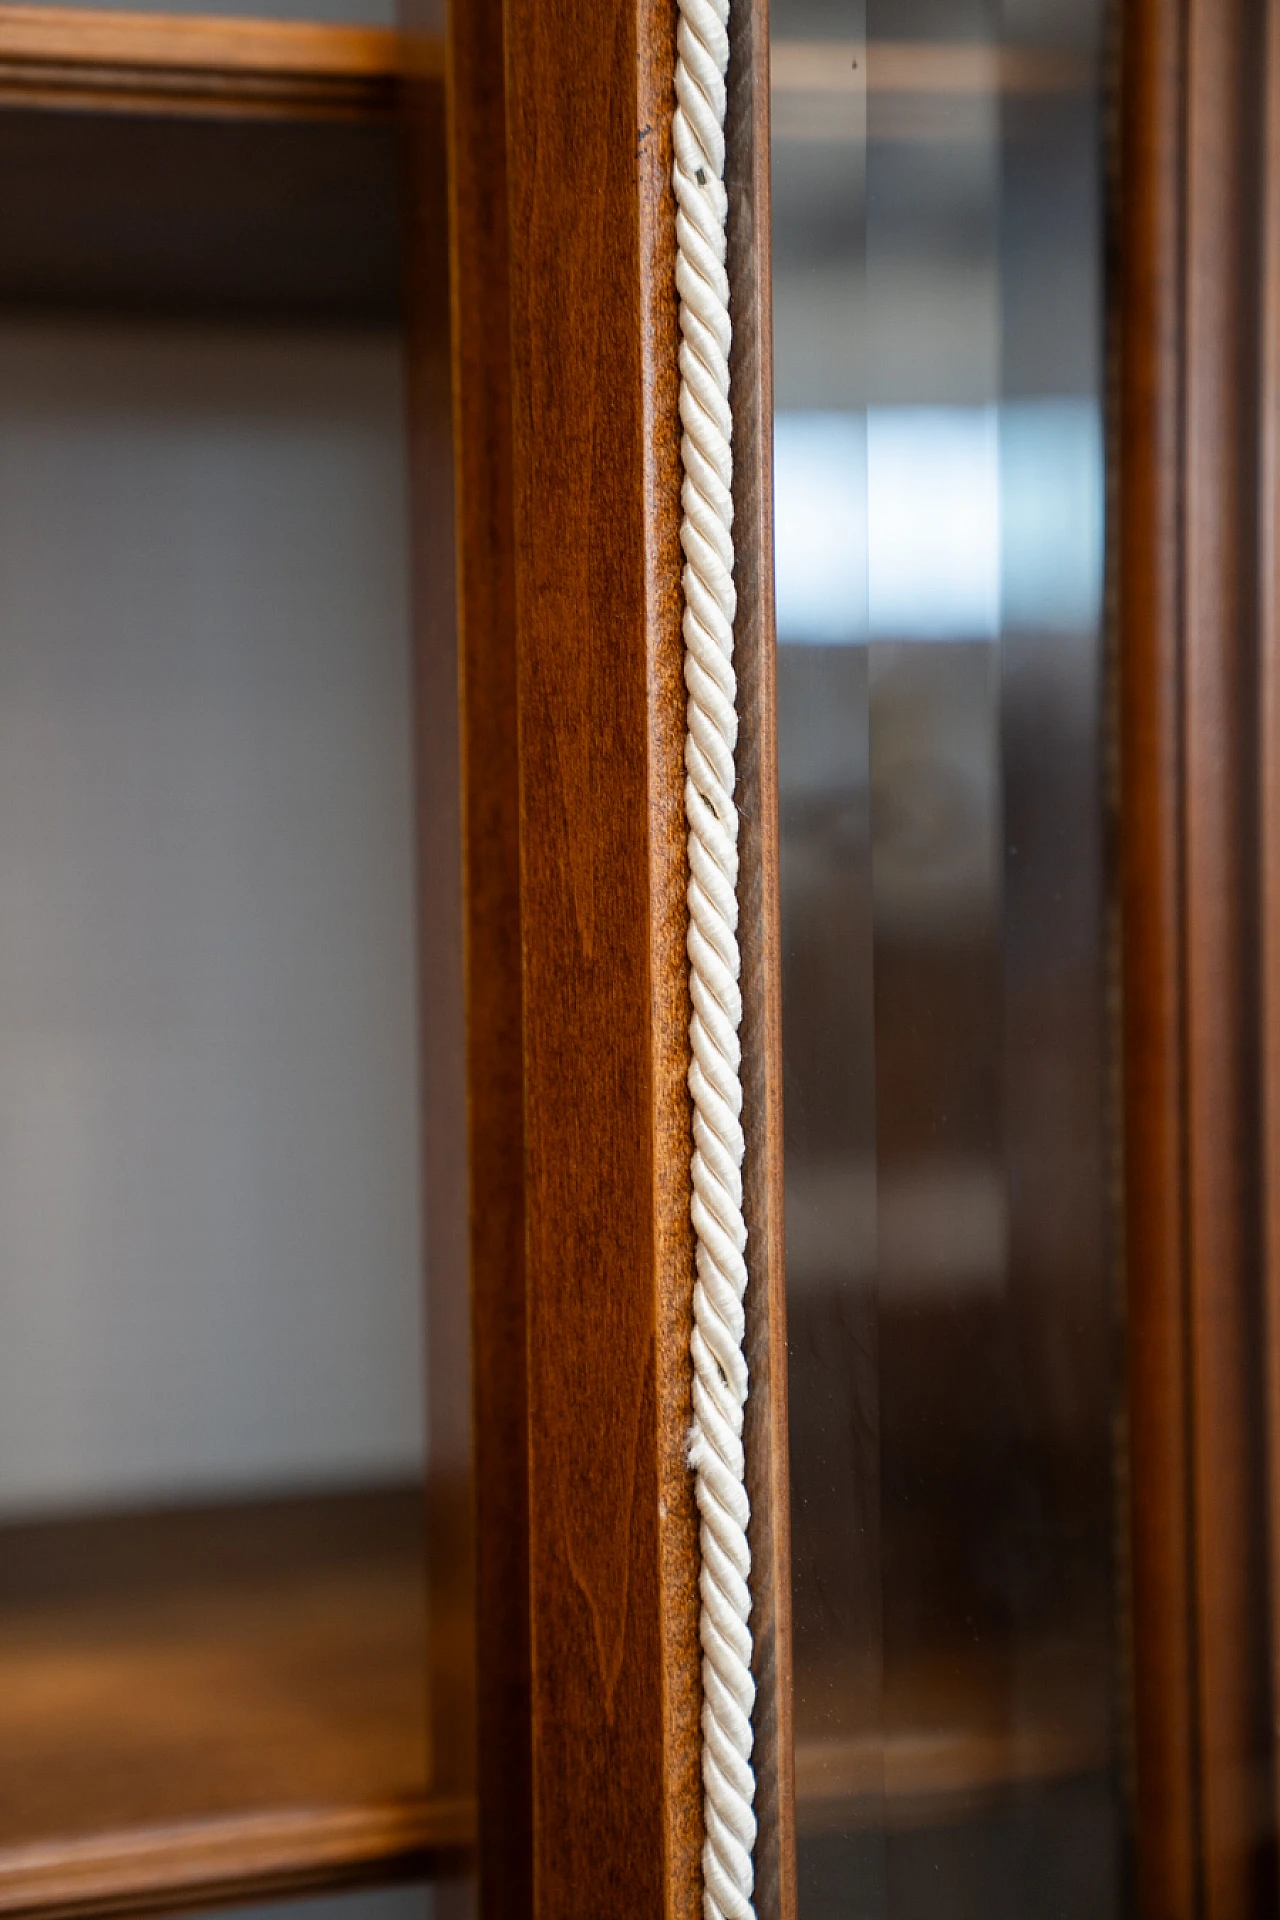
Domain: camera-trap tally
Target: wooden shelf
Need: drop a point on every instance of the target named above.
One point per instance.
(77, 58)
(962, 1738)
(213, 1703)
(180, 165)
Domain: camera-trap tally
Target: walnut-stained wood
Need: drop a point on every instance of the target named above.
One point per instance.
(214, 1703)
(1151, 878)
(1269, 789)
(192, 166)
(481, 706)
(608, 1248)
(69, 57)
(575, 872)
(452, 1469)
(755, 643)
(1189, 693)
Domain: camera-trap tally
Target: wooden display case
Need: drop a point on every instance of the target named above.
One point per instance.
(497, 1685)
(258, 1698)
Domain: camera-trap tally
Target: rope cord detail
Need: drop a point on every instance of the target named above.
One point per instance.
(715, 1082)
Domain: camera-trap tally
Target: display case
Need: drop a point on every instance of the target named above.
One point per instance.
(347, 1530)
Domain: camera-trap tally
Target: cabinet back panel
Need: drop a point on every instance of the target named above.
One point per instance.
(209, 1233)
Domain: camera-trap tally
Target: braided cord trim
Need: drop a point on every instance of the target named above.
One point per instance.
(715, 1083)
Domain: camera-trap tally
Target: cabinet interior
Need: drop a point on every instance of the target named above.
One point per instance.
(212, 1586)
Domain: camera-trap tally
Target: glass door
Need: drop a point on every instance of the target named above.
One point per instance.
(937, 181)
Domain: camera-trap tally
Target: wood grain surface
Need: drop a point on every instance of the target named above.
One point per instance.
(461, 430)
(191, 166)
(1189, 690)
(486, 706)
(613, 1560)
(452, 1462)
(572, 734)
(191, 63)
(216, 1703)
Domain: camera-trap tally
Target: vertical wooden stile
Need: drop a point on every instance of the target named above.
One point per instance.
(460, 401)
(613, 1563)
(572, 872)
(1220, 944)
(1189, 693)
(1269, 791)
(444, 894)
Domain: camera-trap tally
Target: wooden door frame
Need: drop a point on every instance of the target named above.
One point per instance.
(560, 1018)
(557, 1018)
(1201, 940)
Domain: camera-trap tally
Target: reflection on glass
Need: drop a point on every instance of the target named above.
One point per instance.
(939, 558)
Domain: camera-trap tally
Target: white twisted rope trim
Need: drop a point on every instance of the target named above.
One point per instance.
(719, 1367)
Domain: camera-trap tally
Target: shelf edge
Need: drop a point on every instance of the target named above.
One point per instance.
(80, 59)
(217, 1860)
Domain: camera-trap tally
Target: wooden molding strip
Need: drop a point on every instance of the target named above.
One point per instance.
(459, 389)
(263, 1856)
(77, 58)
(574, 877)
(1196, 1043)
(613, 1544)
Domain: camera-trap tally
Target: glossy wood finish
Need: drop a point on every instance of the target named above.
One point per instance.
(1189, 454)
(485, 708)
(443, 998)
(215, 1703)
(184, 166)
(1150, 681)
(188, 63)
(613, 1562)
(568, 500)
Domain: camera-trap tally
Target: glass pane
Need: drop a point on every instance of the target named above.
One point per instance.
(937, 259)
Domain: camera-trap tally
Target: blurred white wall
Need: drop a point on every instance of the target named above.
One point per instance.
(209, 1233)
